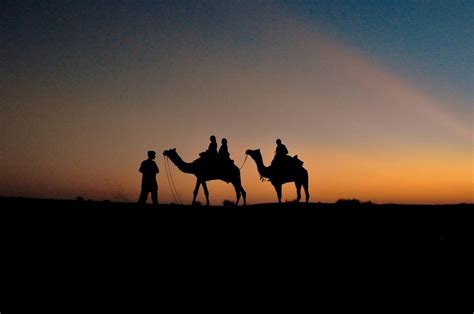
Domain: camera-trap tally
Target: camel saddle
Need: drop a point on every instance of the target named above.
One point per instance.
(288, 162)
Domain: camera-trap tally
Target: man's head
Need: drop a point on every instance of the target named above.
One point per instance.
(224, 141)
(213, 138)
(278, 141)
(151, 154)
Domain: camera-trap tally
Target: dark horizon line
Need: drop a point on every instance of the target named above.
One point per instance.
(344, 202)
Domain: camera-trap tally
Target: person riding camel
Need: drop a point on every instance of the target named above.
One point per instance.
(211, 151)
(281, 152)
(282, 159)
(223, 153)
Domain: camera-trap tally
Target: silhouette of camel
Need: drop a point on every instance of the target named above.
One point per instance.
(279, 176)
(207, 171)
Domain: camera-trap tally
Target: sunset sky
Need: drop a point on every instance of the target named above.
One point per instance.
(376, 97)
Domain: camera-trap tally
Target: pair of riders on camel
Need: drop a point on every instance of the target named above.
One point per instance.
(212, 154)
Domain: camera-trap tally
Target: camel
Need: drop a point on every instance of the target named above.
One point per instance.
(279, 176)
(204, 171)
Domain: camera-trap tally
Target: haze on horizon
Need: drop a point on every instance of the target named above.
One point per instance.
(376, 99)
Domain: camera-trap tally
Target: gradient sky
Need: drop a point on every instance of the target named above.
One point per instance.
(376, 97)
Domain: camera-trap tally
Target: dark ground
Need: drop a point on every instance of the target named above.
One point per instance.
(306, 251)
(347, 221)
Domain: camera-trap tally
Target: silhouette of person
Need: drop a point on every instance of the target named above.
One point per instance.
(149, 169)
(211, 151)
(281, 151)
(223, 153)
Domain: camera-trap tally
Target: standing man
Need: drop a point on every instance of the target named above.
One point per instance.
(149, 169)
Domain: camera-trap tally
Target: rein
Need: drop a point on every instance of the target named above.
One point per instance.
(246, 156)
(173, 189)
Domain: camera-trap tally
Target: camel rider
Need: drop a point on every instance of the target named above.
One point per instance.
(280, 153)
(223, 153)
(211, 151)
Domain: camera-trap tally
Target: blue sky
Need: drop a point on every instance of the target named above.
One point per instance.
(431, 42)
(426, 40)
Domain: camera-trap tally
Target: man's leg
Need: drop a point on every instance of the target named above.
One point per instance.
(143, 197)
(154, 197)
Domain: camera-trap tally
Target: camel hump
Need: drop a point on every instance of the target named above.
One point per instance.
(288, 162)
(297, 162)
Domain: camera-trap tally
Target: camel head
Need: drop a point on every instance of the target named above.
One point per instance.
(169, 152)
(252, 152)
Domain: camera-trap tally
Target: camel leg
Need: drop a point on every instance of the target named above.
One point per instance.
(206, 192)
(237, 192)
(244, 195)
(196, 190)
(305, 187)
(277, 187)
(298, 191)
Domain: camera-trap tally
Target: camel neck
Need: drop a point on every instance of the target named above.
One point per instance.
(181, 164)
(262, 169)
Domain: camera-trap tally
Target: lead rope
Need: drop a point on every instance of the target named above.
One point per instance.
(168, 178)
(174, 185)
(173, 189)
(244, 162)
